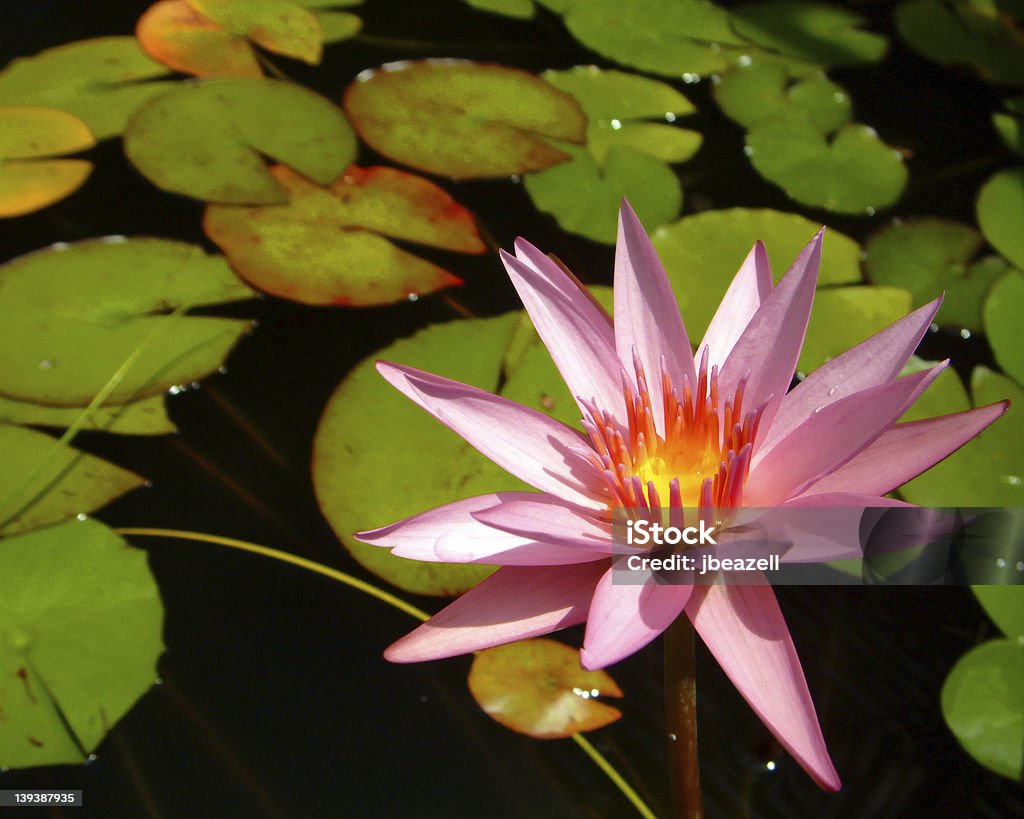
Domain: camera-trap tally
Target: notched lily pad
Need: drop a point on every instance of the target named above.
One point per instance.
(1000, 210)
(931, 256)
(1002, 315)
(276, 25)
(100, 81)
(71, 318)
(851, 172)
(463, 119)
(208, 139)
(983, 707)
(1004, 605)
(28, 179)
(537, 687)
(330, 245)
(80, 634)
(819, 33)
(43, 481)
(584, 197)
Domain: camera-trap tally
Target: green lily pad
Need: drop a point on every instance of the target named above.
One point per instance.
(71, 318)
(537, 687)
(44, 482)
(931, 256)
(463, 119)
(688, 38)
(279, 26)
(100, 81)
(330, 245)
(982, 704)
(964, 33)
(854, 172)
(28, 136)
(584, 197)
(368, 464)
(1002, 312)
(1010, 125)
(756, 90)
(145, 417)
(80, 634)
(616, 104)
(816, 32)
(987, 471)
(702, 253)
(1001, 213)
(208, 139)
(845, 316)
(1004, 605)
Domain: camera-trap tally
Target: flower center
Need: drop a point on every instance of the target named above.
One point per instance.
(699, 459)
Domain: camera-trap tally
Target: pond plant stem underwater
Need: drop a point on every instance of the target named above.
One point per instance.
(681, 719)
(392, 600)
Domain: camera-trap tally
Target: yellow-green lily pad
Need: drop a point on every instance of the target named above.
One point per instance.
(1000, 211)
(70, 318)
(1002, 314)
(145, 417)
(537, 687)
(80, 634)
(1005, 605)
(208, 139)
(463, 119)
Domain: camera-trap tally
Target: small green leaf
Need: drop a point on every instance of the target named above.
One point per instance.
(463, 119)
(100, 81)
(930, 256)
(331, 245)
(43, 481)
(702, 253)
(854, 172)
(679, 38)
(1002, 315)
(208, 139)
(1005, 606)
(982, 704)
(537, 687)
(70, 318)
(816, 32)
(145, 417)
(369, 468)
(964, 33)
(756, 90)
(80, 634)
(1001, 213)
(1010, 125)
(584, 198)
(616, 104)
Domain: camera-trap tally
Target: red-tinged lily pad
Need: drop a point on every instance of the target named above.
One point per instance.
(174, 33)
(276, 25)
(81, 634)
(28, 180)
(208, 139)
(73, 317)
(463, 119)
(329, 245)
(101, 81)
(43, 481)
(537, 687)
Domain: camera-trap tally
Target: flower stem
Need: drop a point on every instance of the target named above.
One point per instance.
(681, 719)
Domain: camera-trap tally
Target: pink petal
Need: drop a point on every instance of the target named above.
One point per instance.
(514, 603)
(906, 450)
(744, 629)
(770, 344)
(830, 438)
(624, 618)
(454, 533)
(524, 442)
(750, 287)
(549, 519)
(577, 334)
(874, 361)
(647, 316)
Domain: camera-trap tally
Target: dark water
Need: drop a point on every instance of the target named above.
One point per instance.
(275, 701)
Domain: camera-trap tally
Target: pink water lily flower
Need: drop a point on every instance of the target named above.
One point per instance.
(664, 427)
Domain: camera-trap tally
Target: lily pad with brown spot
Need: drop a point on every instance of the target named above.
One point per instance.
(537, 687)
(331, 245)
(463, 119)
